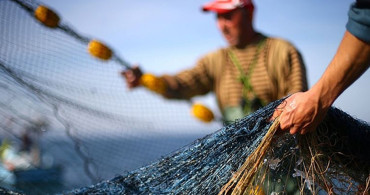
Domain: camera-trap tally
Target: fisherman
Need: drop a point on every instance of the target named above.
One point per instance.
(250, 72)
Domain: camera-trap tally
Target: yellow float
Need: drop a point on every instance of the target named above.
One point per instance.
(153, 83)
(46, 16)
(202, 112)
(99, 50)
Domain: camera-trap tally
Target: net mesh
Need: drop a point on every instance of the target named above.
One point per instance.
(96, 128)
(247, 157)
(110, 141)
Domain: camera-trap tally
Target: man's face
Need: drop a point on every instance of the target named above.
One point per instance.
(233, 26)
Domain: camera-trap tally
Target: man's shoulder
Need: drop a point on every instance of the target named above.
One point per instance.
(214, 54)
(213, 61)
(280, 41)
(282, 44)
(275, 40)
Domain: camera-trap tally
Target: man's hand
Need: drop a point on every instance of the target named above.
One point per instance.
(132, 76)
(300, 113)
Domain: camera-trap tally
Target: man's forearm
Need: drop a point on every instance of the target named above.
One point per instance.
(350, 62)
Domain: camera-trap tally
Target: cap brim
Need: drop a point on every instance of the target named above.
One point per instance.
(215, 7)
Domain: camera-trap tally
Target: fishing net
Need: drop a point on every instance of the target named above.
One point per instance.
(247, 157)
(77, 106)
(52, 87)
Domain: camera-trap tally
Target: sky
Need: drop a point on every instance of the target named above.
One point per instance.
(168, 36)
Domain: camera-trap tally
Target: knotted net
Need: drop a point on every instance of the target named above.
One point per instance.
(246, 158)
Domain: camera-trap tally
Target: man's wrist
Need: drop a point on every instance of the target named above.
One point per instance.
(322, 95)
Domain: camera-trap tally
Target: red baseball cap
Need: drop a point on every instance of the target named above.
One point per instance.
(224, 6)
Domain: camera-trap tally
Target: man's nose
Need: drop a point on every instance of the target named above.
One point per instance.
(222, 24)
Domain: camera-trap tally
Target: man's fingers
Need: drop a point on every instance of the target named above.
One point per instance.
(276, 114)
(131, 79)
(294, 129)
(278, 111)
(308, 129)
(285, 120)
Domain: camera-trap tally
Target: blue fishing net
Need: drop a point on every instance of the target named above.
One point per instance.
(340, 155)
(202, 167)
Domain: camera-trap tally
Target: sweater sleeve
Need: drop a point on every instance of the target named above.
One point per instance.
(191, 82)
(359, 20)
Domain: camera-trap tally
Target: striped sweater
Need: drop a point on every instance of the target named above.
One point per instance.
(279, 71)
